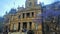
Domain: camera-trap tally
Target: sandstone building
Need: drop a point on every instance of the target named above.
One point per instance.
(23, 20)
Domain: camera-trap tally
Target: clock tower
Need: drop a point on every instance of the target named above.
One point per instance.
(30, 3)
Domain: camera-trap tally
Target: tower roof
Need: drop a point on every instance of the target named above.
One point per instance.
(12, 11)
(30, 3)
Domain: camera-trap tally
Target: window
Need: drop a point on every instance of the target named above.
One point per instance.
(18, 26)
(35, 3)
(24, 25)
(32, 14)
(58, 20)
(6, 28)
(30, 3)
(19, 16)
(23, 15)
(28, 14)
(30, 24)
(47, 28)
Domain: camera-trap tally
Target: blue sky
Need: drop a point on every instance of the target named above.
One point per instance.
(6, 5)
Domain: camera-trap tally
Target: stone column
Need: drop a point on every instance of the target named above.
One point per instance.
(21, 27)
(12, 26)
(12, 18)
(30, 14)
(25, 15)
(28, 26)
(21, 15)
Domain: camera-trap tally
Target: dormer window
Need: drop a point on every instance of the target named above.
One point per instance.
(30, 3)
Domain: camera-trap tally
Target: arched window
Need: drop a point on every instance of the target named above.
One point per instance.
(30, 4)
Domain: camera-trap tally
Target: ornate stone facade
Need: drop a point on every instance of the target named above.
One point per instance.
(23, 20)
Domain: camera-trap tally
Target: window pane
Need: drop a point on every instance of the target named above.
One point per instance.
(28, 14)
(23, 15)
(32, 14)
(19, 26)
(30, 24)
